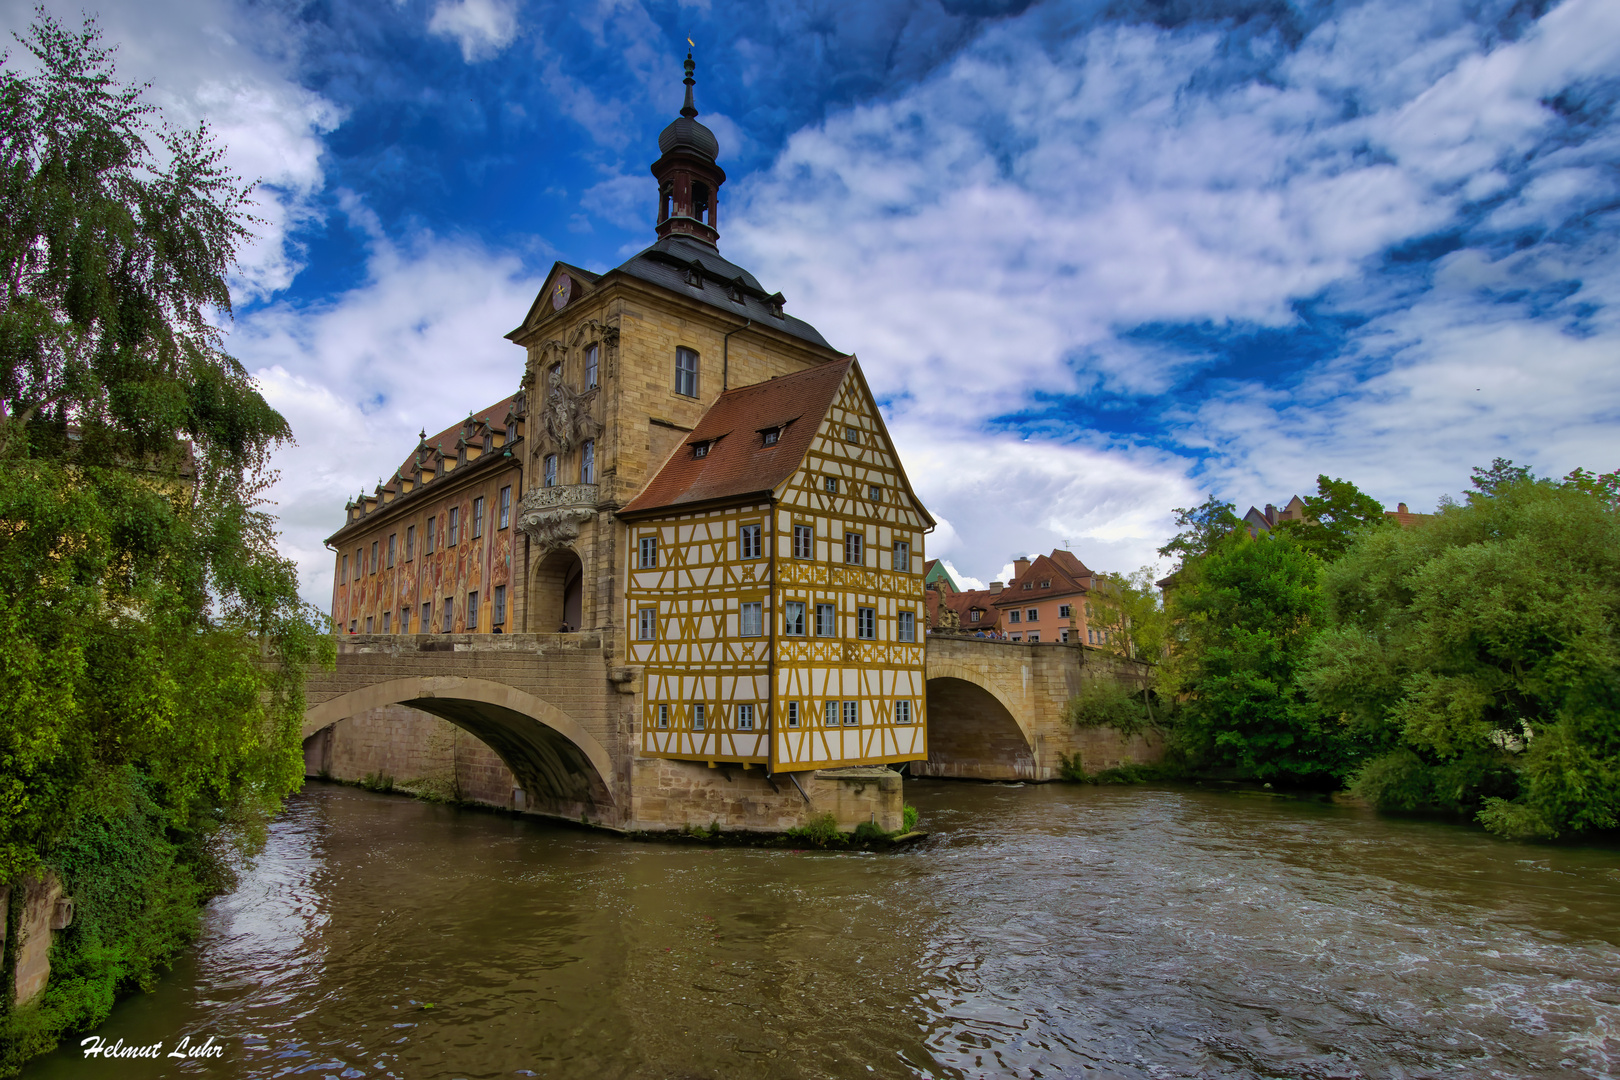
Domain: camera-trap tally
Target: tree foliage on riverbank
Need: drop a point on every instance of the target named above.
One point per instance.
(1470, 664)
(151, 682)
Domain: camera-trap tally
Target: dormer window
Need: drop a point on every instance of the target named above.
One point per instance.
(1046, 584)
(735, 293)
(772, 435)
(694, 278)
(700, 449)
(775, 304)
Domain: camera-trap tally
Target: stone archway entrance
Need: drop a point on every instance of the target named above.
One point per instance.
(973, 735)
(557, 593)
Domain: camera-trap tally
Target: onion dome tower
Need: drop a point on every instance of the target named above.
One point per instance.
(688, 178)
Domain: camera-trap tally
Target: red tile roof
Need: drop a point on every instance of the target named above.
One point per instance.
(738, 462)
(1067, 574)
(495, 416)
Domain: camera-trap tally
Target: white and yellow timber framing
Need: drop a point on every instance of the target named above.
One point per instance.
(701, 582)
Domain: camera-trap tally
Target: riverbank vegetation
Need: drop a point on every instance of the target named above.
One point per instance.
(155, 643)
(1467, 665)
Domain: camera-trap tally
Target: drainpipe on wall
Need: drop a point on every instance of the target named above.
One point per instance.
(725, 355)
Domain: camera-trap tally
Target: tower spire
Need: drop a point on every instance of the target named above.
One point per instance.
(689, 110)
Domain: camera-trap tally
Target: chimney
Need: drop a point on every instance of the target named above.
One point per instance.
(1271, 513)
(995, 587)
(1400, 508)
(1019, 567)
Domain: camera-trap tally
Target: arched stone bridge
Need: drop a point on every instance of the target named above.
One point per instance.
(562, 717)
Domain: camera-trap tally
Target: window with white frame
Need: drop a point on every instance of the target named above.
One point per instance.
(771, 436)
(453, 537)
(1032, 615)
(686, 372)
(1014, 615)
(745, 718)
(550, 479)
(648, 553)
(500, 606)
(1063, 611)
(749, 618)
(1063, 636)
(874, 493)
(831, 483)
(592, 352)
(866, 623)
(1033, 637)
(826, 620)
(854, 548)
(478, 517)
(974, 615)
(587, 462)
(852, 434)
(506, 507)
(793, 714)
(647, 624)
(748, 540)
(793, 618)
(902, 712)
(831, 714)
(907, 626)
(902, 557)
(852, 713)
(804, 541)
(700, 716)
(663, 716)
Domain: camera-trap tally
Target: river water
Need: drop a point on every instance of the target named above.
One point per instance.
(1041, 931)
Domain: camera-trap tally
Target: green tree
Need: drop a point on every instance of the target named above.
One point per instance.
(1333, 517)
(1200, 529)
(151, 688)
(1477, 659)
(1247, 611)
(1605, 486)
(1127, 608)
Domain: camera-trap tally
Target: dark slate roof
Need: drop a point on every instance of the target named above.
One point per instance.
(672, 259)
(687, 133)
(738, 462)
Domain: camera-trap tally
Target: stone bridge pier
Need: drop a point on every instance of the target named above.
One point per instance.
(995, 710)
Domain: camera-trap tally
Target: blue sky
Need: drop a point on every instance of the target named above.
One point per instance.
(1098, 259)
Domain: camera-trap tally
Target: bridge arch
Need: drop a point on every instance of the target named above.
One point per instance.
(975, 729)
(561, 766)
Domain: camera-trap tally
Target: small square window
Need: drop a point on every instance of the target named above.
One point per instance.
(826, 620)
(506, 506)
(1034, 637)
(852, 434)
(866, 623)
(647, 624)
(748, 539)
(745, 718)
(852, 713)
(648, 553)
(1029, 585)
(772, 436)
(854, 550)
(804, 540)
(663, 716)
(478, 517)
(902, 712)
(1014, 615)
(874, 493)
(793, 714)
(749, 619)
(1032, 615)
(974, 615)
(832, 484)
(700, 449)
(793, 618)
(700, 716)
(1063, 611)
(1046, 584)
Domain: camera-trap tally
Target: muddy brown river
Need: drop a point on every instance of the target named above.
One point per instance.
(1042, 931)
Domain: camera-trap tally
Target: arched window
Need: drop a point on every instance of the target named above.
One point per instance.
(700, 201)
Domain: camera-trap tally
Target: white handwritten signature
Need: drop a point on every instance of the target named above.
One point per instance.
(96, 1046)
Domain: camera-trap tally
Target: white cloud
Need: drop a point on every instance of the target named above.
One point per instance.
(483, 28)
(215, 61)
(416, 347)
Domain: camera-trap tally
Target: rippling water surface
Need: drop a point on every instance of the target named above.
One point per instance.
(1042, 931)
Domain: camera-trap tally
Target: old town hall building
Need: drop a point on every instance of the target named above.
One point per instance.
(695, 476)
